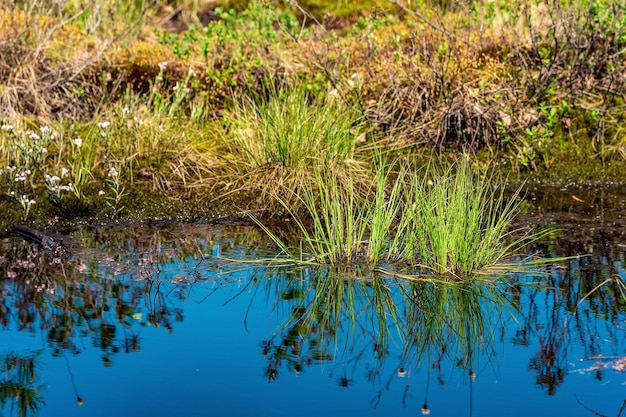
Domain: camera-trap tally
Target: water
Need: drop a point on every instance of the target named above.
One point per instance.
(166, 320)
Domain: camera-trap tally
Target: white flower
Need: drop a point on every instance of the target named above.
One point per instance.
(101, 192)
(64, 172)
(125, 111)
(163, 65)
(7, 127)
(78, 142)
(104, 125)
(45, 129)
(33, 135)
(113, 173)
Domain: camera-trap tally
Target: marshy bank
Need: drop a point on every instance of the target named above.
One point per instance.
(133, 109)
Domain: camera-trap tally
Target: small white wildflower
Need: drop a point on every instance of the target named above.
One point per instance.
(175, 88)
(104, 125)
(113, 173)
(64, 172)
(7, 127)
(101, 192)
(11, 168)
(45, 129)
(78, 142)
(125, 111)
(33, 135)
(138, 120)
(44, 150)
(31, 202)
(163, 65)
(333, 92)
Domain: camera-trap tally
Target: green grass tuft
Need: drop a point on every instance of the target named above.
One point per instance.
(455, 224)
(292, 130)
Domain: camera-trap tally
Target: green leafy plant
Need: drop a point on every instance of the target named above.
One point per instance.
(117, 192)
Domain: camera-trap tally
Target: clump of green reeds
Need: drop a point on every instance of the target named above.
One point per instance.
(445, 222)
(457, 222)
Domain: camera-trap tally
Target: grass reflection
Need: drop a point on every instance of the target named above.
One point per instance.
(19, 385)
(457, 320)
(345, 316)
(328, 314)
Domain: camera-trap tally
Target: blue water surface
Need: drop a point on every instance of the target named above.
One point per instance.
(215, 347)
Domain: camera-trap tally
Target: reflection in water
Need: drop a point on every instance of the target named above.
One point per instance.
(331, 317)
(19, 386)
(356, 325)
(362, 320)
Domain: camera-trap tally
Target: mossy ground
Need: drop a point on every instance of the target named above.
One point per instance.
(156, 92)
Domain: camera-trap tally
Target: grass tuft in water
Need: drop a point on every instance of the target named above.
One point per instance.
(460, 223)
(449, 222)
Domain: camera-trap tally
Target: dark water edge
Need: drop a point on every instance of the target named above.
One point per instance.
(157, 319)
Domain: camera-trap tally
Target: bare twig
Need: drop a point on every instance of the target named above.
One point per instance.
(428, 22)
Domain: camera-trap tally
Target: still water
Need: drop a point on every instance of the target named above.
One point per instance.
(184, 320)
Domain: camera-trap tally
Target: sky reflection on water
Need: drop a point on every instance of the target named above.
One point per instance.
(150, 321)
